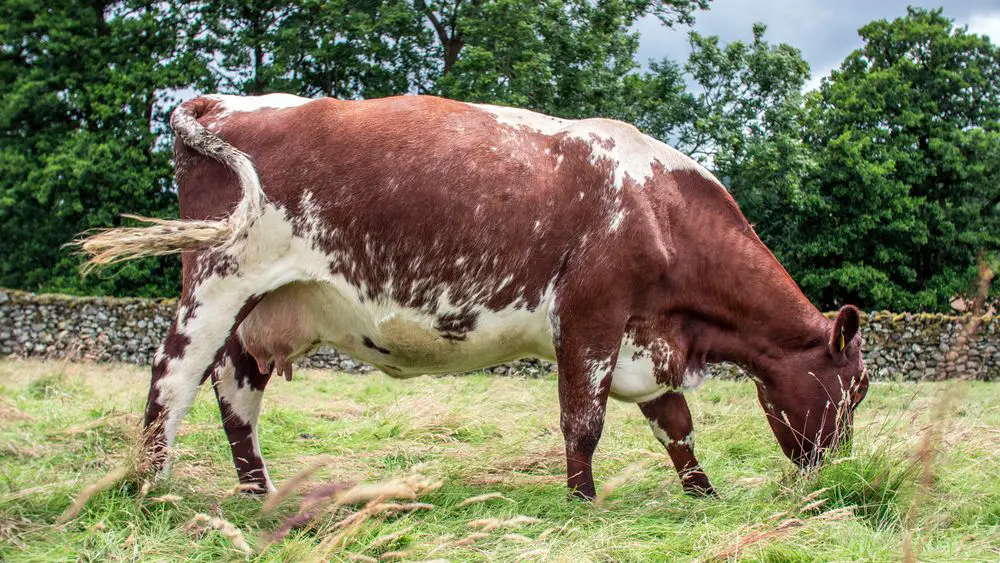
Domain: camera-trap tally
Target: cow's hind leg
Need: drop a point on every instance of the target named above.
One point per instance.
(239, 387)
(670, 419)
(209, 313)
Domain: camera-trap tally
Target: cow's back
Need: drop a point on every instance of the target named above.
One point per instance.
(438, 214)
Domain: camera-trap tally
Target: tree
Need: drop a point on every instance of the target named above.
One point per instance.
(567, 57)
(340, 48)
(564, 57)
(83, 84)
(907, 137)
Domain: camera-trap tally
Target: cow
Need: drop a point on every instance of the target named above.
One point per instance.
(425, 236)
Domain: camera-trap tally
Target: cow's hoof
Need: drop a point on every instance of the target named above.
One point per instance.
(255, 490)
(700, 490)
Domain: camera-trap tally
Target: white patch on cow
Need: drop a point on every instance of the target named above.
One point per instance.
(687, 441)
(673, 159)
(581, 196)
(242, 104)
(692, 378)
(505, 282)
(244, 403)
(634, 378)
(515, 117)
(538, 224)
(330, 310)
(460, 261)
(616, 220)
(597, 370)
(662, 436)
(658, 432)
(553, 315)
(630, 152)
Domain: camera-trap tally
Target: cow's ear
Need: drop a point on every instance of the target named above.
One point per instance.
(845, 327)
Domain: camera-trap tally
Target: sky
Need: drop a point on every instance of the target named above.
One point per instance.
(826, 31)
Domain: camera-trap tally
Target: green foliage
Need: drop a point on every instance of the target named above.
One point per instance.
(564, 57)
(906, 135)
(82, 83)
(341, 48)
(881, 189)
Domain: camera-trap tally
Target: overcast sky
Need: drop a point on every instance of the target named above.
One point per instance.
(826, 31)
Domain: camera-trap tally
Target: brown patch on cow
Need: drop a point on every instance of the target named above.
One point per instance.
(454, 326)
(174, 345)
(367, 342)
(249, 466)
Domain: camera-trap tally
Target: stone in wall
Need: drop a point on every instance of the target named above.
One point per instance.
(910, 346)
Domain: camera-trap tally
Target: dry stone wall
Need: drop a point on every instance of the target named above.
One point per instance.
(899, 345)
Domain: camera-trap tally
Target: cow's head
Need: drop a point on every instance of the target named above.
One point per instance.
(810, 395)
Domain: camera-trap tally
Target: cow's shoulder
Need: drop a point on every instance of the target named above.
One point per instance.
(633, 154)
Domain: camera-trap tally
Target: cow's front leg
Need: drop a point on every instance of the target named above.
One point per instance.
(239, 388)
(670, 419)
(582, 406)
(586, 355)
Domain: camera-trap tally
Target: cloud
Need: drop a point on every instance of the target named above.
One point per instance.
(817, 77)
(825, 32)
(987, 24)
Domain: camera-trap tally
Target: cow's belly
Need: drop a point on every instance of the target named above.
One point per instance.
(401, 341)
(635, 377)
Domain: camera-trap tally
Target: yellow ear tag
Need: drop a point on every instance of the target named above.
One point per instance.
(840, 342)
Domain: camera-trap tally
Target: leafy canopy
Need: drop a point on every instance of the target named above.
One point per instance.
(882, 188)
(906, 135)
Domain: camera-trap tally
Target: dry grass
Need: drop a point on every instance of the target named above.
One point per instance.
(619, 480)
(371, 469)
(484, 498)
(112, 478)
(201, 523)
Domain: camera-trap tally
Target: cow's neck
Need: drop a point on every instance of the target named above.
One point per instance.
(738, 303)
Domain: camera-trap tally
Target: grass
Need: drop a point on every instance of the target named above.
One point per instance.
(919, 473)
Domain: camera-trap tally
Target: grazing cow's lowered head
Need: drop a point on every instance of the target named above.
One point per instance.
(812, 414)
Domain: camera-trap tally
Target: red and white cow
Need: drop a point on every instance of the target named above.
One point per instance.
(424, 235)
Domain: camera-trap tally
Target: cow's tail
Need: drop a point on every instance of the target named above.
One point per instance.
(168, 236)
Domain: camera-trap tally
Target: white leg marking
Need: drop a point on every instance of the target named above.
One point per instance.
(664, 439)
(245, 404)
(660, 433)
